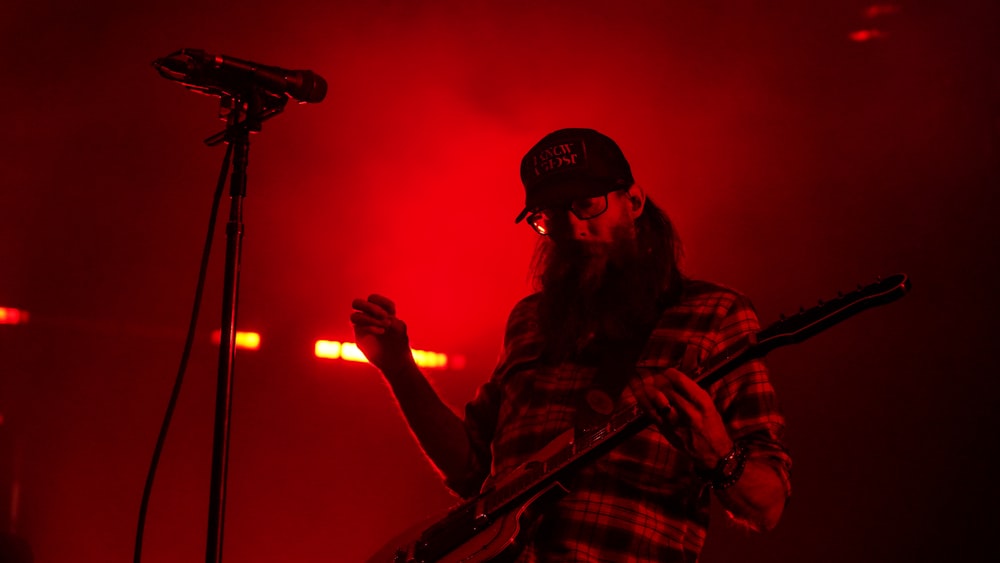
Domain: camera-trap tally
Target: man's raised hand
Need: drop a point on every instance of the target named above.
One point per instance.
(380, 335)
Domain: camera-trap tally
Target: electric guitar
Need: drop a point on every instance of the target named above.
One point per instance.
(492, 526)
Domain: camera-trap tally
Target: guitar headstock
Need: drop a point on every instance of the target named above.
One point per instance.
(808, 322)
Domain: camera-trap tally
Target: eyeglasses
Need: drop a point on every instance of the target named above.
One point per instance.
(584, 209)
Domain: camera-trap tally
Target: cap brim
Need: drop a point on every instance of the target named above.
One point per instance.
(565, 191)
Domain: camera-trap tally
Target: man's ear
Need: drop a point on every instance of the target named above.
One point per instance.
(637, 199)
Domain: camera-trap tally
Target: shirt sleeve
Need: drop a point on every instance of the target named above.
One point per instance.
(482, 412)
(480, 424)
(746, 398)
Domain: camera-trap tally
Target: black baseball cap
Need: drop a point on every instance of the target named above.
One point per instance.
(569, 164)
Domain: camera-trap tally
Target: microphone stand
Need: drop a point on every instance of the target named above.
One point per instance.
(244, 113)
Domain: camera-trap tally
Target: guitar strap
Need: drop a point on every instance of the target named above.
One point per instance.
(616, 366)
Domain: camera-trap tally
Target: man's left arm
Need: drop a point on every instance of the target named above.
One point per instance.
(733, 433)
(748, 476)
(757, 496)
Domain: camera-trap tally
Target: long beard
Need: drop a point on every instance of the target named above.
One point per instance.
(594, 294)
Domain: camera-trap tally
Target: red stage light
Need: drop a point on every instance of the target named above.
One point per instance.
(862, 35)
(876, 10)
(11, 316)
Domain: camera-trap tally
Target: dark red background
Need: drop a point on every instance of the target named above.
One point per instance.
(794, 162)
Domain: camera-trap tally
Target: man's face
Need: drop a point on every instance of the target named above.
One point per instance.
(583, 249)
(592, 275)
(613, 226)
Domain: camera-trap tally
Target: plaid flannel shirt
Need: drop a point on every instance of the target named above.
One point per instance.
(643, 501)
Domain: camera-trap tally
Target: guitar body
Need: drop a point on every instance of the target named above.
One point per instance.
(496, 539)
(499, 542)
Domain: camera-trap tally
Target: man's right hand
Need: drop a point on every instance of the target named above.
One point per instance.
(380, 335)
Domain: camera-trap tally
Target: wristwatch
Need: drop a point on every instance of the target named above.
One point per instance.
(729, 468)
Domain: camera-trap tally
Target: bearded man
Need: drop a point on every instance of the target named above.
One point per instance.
(614, 323)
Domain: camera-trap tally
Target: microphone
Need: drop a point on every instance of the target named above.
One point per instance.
(221, 74)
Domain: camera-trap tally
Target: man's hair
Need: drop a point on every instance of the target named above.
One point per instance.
(657, 237)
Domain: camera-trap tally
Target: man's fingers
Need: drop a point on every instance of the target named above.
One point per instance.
(662, 406)
(376, 305)
(365, 320)
(397, 326)
(369, 308)
(659, 399)
(383, 302)
(686, 389)
(649, 399)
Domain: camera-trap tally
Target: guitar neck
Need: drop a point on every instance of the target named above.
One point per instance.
(623, 424)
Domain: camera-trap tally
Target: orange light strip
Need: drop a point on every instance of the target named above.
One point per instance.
(244, 340)
(331, 349)
(12, 316)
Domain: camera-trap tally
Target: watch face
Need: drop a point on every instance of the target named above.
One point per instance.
(730, 468)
